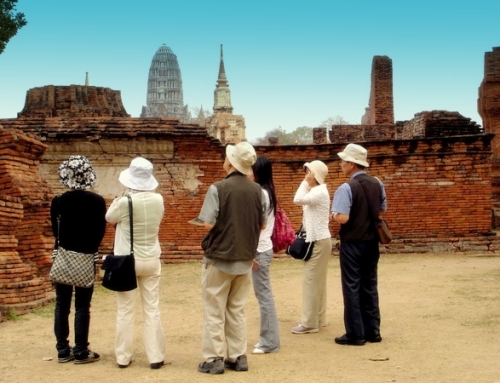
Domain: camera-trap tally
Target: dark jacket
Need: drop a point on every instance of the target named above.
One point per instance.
(82, 225)
(360, 226)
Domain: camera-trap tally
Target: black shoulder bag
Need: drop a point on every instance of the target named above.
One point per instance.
(119, 272)
(300, 249)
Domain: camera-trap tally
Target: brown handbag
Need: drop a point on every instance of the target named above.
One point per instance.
(383, 231)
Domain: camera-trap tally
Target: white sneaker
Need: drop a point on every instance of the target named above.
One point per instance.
(303, 330)
(257, 350)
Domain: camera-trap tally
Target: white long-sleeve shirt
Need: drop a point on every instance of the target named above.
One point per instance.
(148, 212)
(315, 202)
(265, 242)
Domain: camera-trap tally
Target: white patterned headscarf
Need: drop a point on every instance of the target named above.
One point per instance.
(77, 173)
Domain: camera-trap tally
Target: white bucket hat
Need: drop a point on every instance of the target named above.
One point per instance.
(242, 156)
(355, 153)
(319, 169)
(139, 175)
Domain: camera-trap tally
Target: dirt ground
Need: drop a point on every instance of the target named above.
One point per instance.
(440, 323)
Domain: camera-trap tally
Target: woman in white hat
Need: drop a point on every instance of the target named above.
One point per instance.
(313, 196)
(147, 215)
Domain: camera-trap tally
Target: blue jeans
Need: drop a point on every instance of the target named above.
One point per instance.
(269, 340)
(83, 296)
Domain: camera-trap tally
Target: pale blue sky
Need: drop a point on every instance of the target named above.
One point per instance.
(289, 64)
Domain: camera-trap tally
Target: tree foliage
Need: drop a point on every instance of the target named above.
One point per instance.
(301, 135)
(337, 120)
(10, 22)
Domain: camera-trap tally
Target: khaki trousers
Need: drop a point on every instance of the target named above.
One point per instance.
(314, 285)
(224, 325)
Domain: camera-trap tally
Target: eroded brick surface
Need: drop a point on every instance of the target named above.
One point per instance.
(441, 179)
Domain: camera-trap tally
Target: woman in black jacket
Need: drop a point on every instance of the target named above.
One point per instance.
(81, 229)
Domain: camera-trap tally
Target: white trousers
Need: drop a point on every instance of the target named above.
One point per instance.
(148, 282)
(224, 325)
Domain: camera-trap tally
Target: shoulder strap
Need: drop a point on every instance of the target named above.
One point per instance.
(131, 220)
(58, 209)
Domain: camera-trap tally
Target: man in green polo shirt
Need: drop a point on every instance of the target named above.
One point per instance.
(234, 213)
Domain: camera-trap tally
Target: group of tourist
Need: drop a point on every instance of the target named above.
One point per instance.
(78, 221)
(238, 214)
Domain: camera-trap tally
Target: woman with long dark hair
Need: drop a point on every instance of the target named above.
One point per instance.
(269, 332)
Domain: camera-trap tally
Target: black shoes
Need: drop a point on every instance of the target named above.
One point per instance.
(65, 356)
(156, 366)
(216, 366)
(86, 357)
(345, 340)
(240, 364)
(373, 337)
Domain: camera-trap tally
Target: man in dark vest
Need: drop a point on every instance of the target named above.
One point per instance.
(356, 204)
(234, 213)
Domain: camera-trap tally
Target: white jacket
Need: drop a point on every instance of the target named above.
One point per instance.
(148, 212)
(316, 208)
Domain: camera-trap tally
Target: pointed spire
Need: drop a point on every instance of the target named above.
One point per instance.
(201, 113)
(222, 79)
(222, 94)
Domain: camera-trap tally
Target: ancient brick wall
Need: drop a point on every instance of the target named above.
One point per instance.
(420, 175)
(350, 133)
(489, 110)
(434, 186)
(438, 123)
(186, 162)
(320, 136)
(72, 101)
(25, 238)
(381, 104)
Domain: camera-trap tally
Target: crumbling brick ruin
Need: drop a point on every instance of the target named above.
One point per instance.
(25, 237)
(488, 106)
(381, 109)
(439, 169)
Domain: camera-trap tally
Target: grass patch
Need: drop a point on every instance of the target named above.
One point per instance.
(11, 315)
(489, 320)
(45, 311)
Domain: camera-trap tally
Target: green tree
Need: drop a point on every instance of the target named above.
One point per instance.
(10, 22)
(301, 135)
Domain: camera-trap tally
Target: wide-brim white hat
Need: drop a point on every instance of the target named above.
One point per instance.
(139, 175)
(319, 169)
(355, 153)
(242, 156)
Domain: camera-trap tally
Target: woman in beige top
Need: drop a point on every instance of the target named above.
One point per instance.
(147, 215)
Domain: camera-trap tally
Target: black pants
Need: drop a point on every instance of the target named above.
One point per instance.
(83, 296)
(358, 267)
